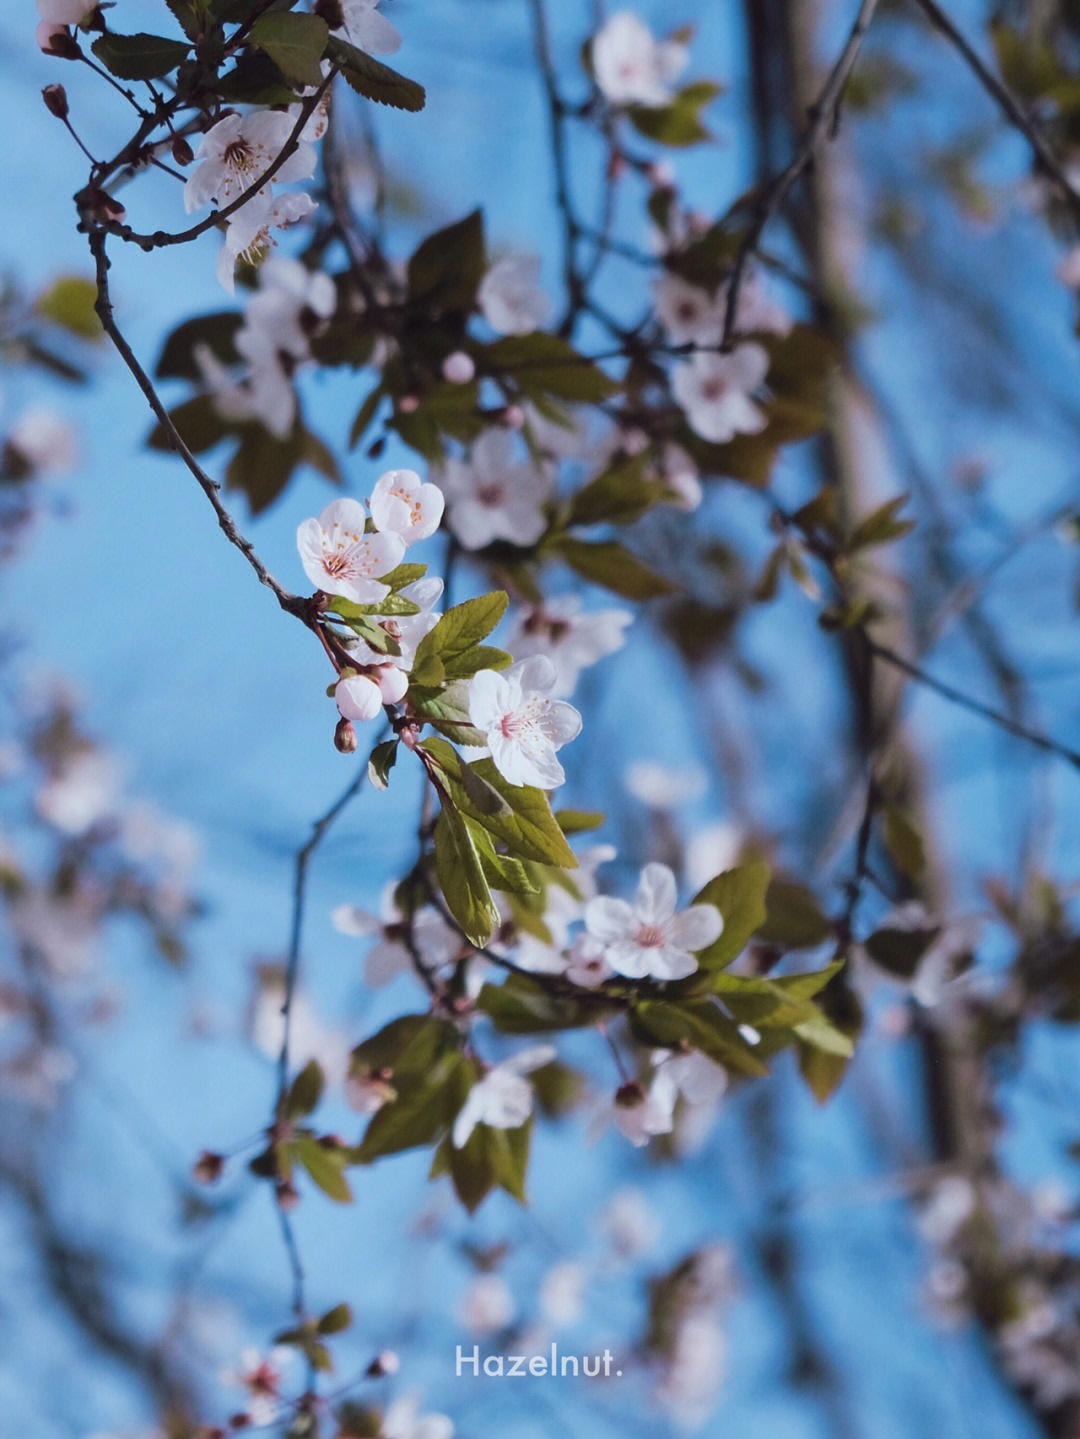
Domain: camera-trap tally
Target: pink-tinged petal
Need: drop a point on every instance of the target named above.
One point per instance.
(697, 927)
(384, 553)
(200, 185)
(361, 592)
(749, 365)
(656, 897)
(348, 919)
(520, 768)
(534, 1058)
(488, 699)
(630, 960)
(562, 722)
(348, 515)
(671, 963)
(358, 698)
(474, 524)
(609, 919)
(392, 683)
(390, 512)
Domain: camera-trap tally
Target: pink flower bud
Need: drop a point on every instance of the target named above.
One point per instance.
(408, 404)
(458, 368)
(208, 1168)
(660, 175)
(287, 1195)
(513, 417)
(384, 1363)
(182, 152)
(392, 683)
(345, 737)
(56, 101)
(57, 40)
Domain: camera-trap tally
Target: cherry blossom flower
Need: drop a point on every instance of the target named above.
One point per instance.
(587, 963)
(570, 639)
(562, 1293)
(84, 791)
(510, 297)
(287, 291)
(263, 1379)
(403, 1420)
(503, 1098)
(493, 495)
(523, 727)
(401, 505)
(630, 1223)
(639, 1113)
(631, 66)
(237, 151)
(694, 1370)
(687, 313)
(487, 1305)
(661, 787)
(341, 559)
(714, 392)
(309, 1036)
(648, 939)
(709, 851)
(407, 630)
(435, 942)
(264, 394)
(247, 232)
(365, 28)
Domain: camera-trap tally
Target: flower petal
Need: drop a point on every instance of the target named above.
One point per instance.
(656, 896)
(697, 927)
(609, 919)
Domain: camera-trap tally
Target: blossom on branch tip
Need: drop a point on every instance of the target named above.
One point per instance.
(571, 639)
(503, 1098)
(714, 391)
(631, 66)
(341, 559)
(648, 939)
(361, 697)
(236, 152)
(402, 505)
(522, 727)
(510, 297)
(247, 232)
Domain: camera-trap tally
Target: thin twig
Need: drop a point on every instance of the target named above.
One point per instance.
(292, 604)
(823, 115)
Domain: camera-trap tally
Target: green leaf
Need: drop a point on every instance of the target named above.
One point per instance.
(904, 842)
(700, 1023)
(900, 950)
(881, 526)
(295, 41)
(522, 1005)
(365, 415)
(462, 626)
(739, 895)
(575, 821)
(217, 332)
(462, 880)
(679, 123)
(447, 267)
(793, 917)
(255, 80)
(140, 57)
(389, 607)
(404, 575)
(198, 423)
(542, 364)
(408, 1046)
(335, 1320)
(189, 16)
(263, 465)
(374, 80)
(483, 797)
(325, 1165)
(381, 761)
(305, 1091)
(529, 831)
(501, 872)
(479, 657)
(609, 564)
(69, 302)
(490, 1158)
(423, 1111)
(619, 495)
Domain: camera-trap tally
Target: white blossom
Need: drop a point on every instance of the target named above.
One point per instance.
(664, 788)
(84, 791)
(66, 12)
(247, 231)
(630, 1223)
(640, 1113)
(521, 725)
(46, 443)
(631, 66)
(341, 559)
(562, 1292)
(714, 391)
(503, 1098)
(237, 152)
(493, 495)
(435, 942)
(687, 313)
(401, 505)
(263, 1379)
(648, 938)
(510, 297)
(362, 696)
(571, 639)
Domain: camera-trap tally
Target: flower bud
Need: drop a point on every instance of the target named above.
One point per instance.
(458, 368)
(513, 417)
(629, 1095)
(660, 175)
(58, 41)
(182, 152)
(331, 12)
(384, 1363)
(288, 1196)
(56, 101)
(345, 737)
(208, 1168)
(408, 404)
